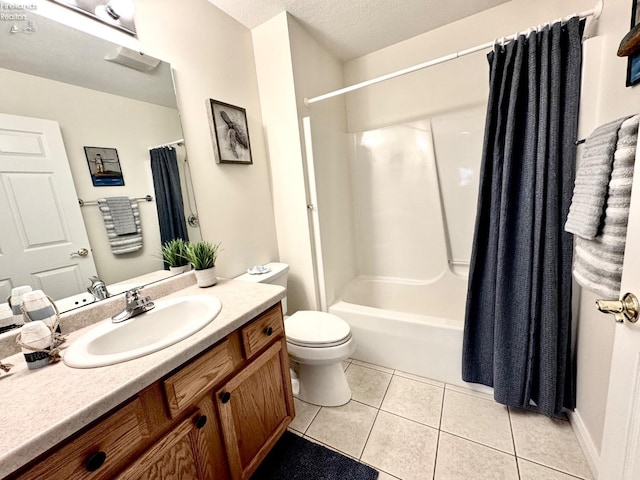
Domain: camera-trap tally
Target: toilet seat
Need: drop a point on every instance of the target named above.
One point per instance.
(316, 329)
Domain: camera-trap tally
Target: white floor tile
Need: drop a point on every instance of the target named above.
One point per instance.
(421, 402)
(385, 476)
(418, 378)
(401, 447)
(469, 391)
(479, 420)
(460, 459)
(533, 471)
(548, 442)
(305, 413)
(371, 365)
(344, 428)
(367, 385)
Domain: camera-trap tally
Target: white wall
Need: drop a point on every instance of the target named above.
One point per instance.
(292, 65)
(212, 57)
(453, 85)
(280, 119)
(315, 70)
(464, 82)
(91, 118)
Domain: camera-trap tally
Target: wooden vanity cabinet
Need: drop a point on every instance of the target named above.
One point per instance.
(214, 418)
(192, 449)
(256, 406)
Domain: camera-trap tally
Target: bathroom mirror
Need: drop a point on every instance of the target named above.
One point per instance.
(104, 96)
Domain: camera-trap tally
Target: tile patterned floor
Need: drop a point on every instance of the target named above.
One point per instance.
(409, 427)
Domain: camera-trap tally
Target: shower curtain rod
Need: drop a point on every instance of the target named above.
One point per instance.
(170, 144)
(595, 13)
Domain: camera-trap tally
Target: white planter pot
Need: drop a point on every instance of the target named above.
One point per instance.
(182, 269)
(207, 277)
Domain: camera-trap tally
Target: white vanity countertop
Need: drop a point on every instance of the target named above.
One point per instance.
(40, 408)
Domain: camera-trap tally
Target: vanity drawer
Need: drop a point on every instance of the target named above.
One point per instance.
(202, 374)
(99, 452)
(262, 330)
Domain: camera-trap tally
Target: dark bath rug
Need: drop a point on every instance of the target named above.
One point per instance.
(296, 458)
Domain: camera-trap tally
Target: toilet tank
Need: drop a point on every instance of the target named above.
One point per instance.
(277, 276)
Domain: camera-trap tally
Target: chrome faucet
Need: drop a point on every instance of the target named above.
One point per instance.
(98, 289)
(135, 305)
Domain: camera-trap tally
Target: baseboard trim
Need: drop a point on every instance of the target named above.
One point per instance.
(586, 443)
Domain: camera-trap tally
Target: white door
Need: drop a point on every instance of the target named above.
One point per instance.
(41, 227)
(620, 456)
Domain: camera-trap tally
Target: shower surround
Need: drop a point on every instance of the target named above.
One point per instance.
(398, 274)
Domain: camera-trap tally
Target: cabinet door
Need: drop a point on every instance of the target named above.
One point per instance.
(256, 406)
(191, 450)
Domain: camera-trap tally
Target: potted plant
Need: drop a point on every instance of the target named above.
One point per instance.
(174, 252)
(202, 256)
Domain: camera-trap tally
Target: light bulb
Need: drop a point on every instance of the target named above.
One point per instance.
(123, 8)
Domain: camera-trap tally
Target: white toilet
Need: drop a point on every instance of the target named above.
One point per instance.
(317, 342)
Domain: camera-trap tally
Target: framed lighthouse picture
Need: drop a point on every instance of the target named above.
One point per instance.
(104, 166)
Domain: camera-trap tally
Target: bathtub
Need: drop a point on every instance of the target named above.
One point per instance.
(414, 327)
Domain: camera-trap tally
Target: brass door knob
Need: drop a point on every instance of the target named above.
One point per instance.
(626, 309)
(83, 252)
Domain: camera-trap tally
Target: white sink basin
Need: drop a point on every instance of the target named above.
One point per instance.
(169, 322)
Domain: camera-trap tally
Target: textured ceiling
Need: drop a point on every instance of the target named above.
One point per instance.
(352, 28)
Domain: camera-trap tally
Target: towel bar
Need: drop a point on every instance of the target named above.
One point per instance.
(82, 203)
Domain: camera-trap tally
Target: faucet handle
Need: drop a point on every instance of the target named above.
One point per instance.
(133, 294)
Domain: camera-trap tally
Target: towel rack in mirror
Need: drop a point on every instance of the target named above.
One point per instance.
(82, 203)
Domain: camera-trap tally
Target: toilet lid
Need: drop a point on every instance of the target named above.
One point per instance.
(316, 329)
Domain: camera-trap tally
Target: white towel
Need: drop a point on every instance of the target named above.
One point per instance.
(121, 244)
(598, 262)
(592, 181)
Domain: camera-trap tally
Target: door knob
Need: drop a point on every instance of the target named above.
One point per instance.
(83, 252)
(626, 309)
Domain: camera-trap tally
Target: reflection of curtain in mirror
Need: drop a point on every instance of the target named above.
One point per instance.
(166, 183)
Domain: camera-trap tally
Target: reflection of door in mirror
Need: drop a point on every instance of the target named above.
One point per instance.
(43, 229)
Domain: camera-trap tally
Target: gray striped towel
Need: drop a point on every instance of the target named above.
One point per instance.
(598, 263)
(592, 181)
(122, 243)
(122, 215)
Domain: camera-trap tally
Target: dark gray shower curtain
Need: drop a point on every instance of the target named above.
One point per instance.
(166, 184)
(517, 335)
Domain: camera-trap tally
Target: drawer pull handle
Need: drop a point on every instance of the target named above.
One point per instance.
(225, 397)
(268, 331)
(201, 421)
(95, 461)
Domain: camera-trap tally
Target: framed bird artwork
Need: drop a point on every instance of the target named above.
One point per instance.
(230, 133)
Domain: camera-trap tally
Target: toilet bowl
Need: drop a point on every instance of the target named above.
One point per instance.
(317, 343)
